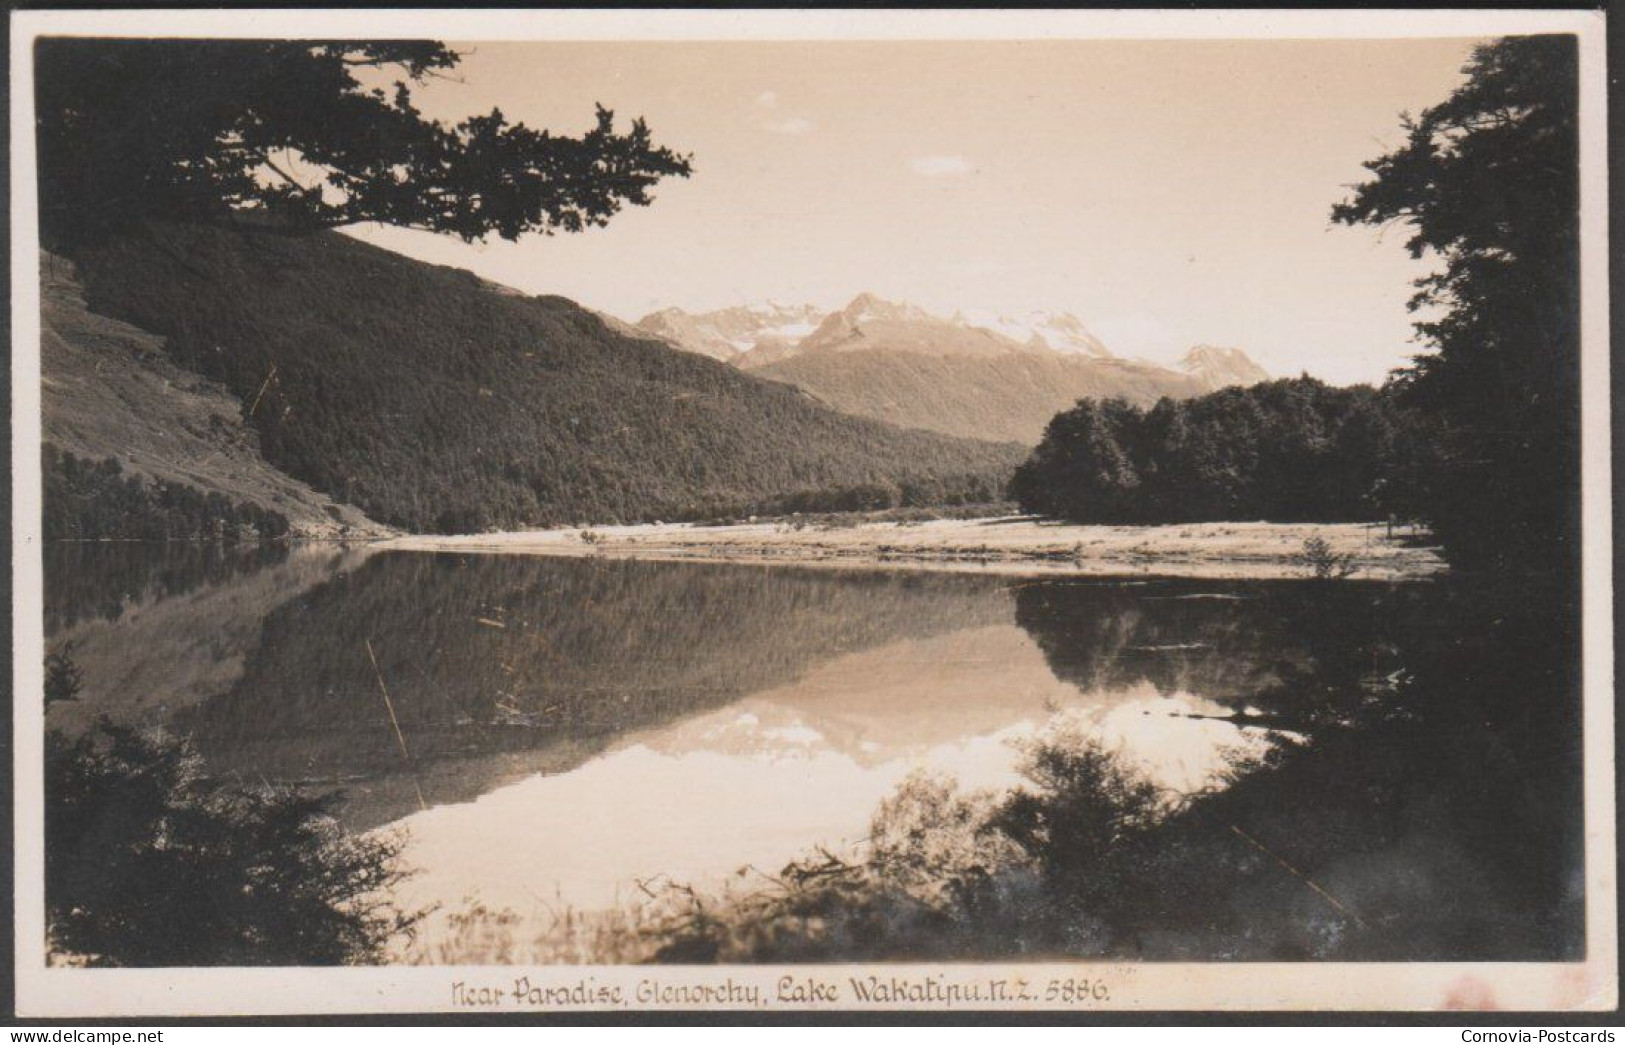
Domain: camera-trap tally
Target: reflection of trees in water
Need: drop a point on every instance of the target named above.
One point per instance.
(484, 654)
(1440, 821)
(87, 580)
(1296, 650)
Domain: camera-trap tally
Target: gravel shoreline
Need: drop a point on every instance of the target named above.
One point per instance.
(1013, 545)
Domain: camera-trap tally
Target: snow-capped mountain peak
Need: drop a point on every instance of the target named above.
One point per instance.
(872, 322)
(1059, 331)
(867, 307)
(729, 333)
(1218, 367)
(768, 332)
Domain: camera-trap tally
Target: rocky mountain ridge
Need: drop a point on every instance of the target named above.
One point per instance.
(976, 374)
(755, 336)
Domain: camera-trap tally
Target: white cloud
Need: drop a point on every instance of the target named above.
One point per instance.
(793, 125)
(940, 166)
(768, 100)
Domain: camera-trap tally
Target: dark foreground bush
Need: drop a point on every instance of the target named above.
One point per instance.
(149, 864)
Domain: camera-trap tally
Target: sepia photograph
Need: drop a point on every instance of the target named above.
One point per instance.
(561, 511)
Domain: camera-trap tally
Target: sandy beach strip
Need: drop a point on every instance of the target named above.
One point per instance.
(1013, 545)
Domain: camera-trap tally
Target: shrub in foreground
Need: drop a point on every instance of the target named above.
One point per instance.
(150, 864)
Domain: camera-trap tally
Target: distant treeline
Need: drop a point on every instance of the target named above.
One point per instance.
(1289, 450)
(92, 500)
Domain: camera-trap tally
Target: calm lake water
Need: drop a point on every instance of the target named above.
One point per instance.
(549, 731)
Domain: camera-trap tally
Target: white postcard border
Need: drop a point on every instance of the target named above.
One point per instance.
(1575, 986)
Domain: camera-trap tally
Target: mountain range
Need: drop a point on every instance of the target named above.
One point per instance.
(977, 374)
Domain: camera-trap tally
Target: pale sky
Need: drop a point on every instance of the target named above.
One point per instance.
(1168, 193)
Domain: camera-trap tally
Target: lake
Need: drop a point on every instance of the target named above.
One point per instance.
(552, 732)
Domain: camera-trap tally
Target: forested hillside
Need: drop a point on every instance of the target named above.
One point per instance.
(434, 402)
(138, 446)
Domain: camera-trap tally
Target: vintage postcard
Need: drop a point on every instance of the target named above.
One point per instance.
(769, 511)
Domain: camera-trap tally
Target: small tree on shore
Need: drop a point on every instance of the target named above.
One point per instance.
(1323, 562)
